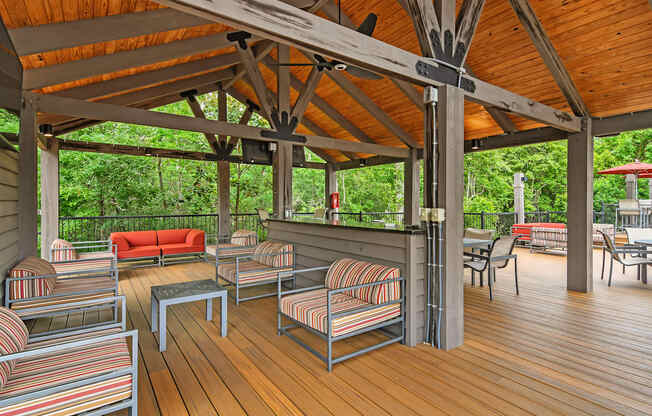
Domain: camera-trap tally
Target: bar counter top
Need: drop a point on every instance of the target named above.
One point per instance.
(348, 223)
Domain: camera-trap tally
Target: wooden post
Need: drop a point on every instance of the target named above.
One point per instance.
(579, 266)
(27, 203)
(450, 140)
(519, 197)
(330, 185)
(282, 170)
(411, 178)
(49, 197)
(224, 174)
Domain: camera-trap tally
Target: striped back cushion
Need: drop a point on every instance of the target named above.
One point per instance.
(349, 272)
(244, 238)
(282, 250)
(32, 266)
(65, 250)
(13, 339)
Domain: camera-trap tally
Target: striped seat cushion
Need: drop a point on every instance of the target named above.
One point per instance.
(349, 272)
(63, 250)
(100, 265)
(74, 401)
(102, 297)
(244, 238)
(230, 250)
(310, 309)
(70, 338)
(274, 253)
(32, 266)
(249, 272)
(13, 339)
(55, 369)
(95, 255)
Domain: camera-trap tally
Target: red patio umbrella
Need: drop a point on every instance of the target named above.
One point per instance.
(635, 168)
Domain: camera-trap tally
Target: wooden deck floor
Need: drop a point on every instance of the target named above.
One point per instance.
(543, 352)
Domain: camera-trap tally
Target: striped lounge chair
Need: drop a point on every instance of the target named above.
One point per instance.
(36, 288)
(70, 373)
(90, 257)
(260, 268)
(241, 243)
(356, 297)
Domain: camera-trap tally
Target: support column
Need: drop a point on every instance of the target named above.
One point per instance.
(519, 197)
(411, 194)
(330, 186)
(224, 199)
(282, 169)
(49, 197)
(631, 186)
(450, 137)
(579, 266)
(27, 202)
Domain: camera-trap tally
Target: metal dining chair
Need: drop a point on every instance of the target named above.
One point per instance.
(497, 257)
(478, 234)
(616, 253)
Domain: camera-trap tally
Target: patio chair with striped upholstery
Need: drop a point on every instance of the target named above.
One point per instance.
(262, 267)
(90, 257)
(69, 373)
(240, 243)
(35, 288)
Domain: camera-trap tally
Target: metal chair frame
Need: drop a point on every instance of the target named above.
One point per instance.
(491, 275)
(615, 252)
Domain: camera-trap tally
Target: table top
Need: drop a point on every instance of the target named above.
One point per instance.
(476, 242)
(647, 242)
(186, 289)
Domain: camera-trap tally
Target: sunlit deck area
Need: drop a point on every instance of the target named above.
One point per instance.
(547, 351)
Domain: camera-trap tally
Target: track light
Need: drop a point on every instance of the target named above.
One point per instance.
(363, 162)
(476, 144)
(46, 130)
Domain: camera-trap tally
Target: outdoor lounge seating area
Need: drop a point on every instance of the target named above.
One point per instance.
(160, 247)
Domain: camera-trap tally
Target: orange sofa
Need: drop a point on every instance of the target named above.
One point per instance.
(160, 246)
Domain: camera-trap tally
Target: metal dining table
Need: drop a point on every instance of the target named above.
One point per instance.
(646, 243)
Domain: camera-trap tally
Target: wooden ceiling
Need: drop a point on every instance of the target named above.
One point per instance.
(606, 46)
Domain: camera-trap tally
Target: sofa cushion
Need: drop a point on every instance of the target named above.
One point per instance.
(32, 266)
(179, 248)
(349, 272)
(172, 236)
(63, 250)
(249, 272)
(120, 241)
(195, 238)
(141, 238)
(13, 339)
(310, 309)
(142, 251)
(274, 253)
(244, 238)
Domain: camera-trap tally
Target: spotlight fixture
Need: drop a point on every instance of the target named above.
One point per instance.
(476, 144)
(363, 163)
(46, 130)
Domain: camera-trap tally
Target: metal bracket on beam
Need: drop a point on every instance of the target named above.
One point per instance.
(240, 37)
(190, 95)
(446, 73)
(252, 106)
(284, 128)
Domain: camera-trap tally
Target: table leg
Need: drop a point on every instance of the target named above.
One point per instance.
(162, 327)
(644, 269)
(223, 323)
(154, 314)
(209, 309)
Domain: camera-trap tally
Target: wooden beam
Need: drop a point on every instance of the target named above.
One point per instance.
(257, 80)
(467, 23)
(108, 112)
(411, 189)
(195, 107)
(49, 197)
(222, 110)
(104, 64)
(282, 180)
(261, 50)
(50, 37)
(372, 161)
(10, 98)
(553, 61)
(144, 151)
(10, 137)
(445, 10)
(11, 69)
(614, 125)
(306, 93)
(317, 35)
(27, 178)
(150, 78)
(410, 92)
(521, 138)
(283, 80)
(425, 22)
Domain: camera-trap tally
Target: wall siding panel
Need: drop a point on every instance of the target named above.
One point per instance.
(8, 212)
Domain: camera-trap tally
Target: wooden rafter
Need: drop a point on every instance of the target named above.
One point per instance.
(425, 22)
(553, 61)
(196, 109)
(306, 93)
(467, 23)
(244, 120)
(261, 50)
(257, 80)
(317, 35)
(283, 80)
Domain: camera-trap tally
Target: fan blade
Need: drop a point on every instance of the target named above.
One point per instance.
(362, 73)
(368, 25)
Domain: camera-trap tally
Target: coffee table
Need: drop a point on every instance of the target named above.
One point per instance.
(164, 295)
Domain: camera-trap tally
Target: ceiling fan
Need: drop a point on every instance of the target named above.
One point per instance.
(366, 28)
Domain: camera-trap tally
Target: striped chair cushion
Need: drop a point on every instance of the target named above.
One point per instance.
(55, 369)
(63, 250)
(230, 250)
(13, 339)
(283, 252)
(244, 238)
(249, 272)
(310, 309)
(101, 265)
(32, 266)
(95, 255)
(349, 272)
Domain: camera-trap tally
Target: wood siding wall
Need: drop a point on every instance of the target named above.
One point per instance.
(318, 245)
(8, 211)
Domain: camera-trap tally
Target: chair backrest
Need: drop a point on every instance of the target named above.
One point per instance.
(636, 234)
(502, 246)
(629, 207)
(609, 245)
(320, 213)
(478, 233)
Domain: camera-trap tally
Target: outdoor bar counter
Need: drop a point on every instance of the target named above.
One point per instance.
(320, 242)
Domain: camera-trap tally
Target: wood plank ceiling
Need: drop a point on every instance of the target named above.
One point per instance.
(606, 46)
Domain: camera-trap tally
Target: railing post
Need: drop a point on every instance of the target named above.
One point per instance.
(603, 208)
(360, 216)
(482, 224)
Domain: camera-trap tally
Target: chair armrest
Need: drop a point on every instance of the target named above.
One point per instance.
(305, 289)
(378, 283)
